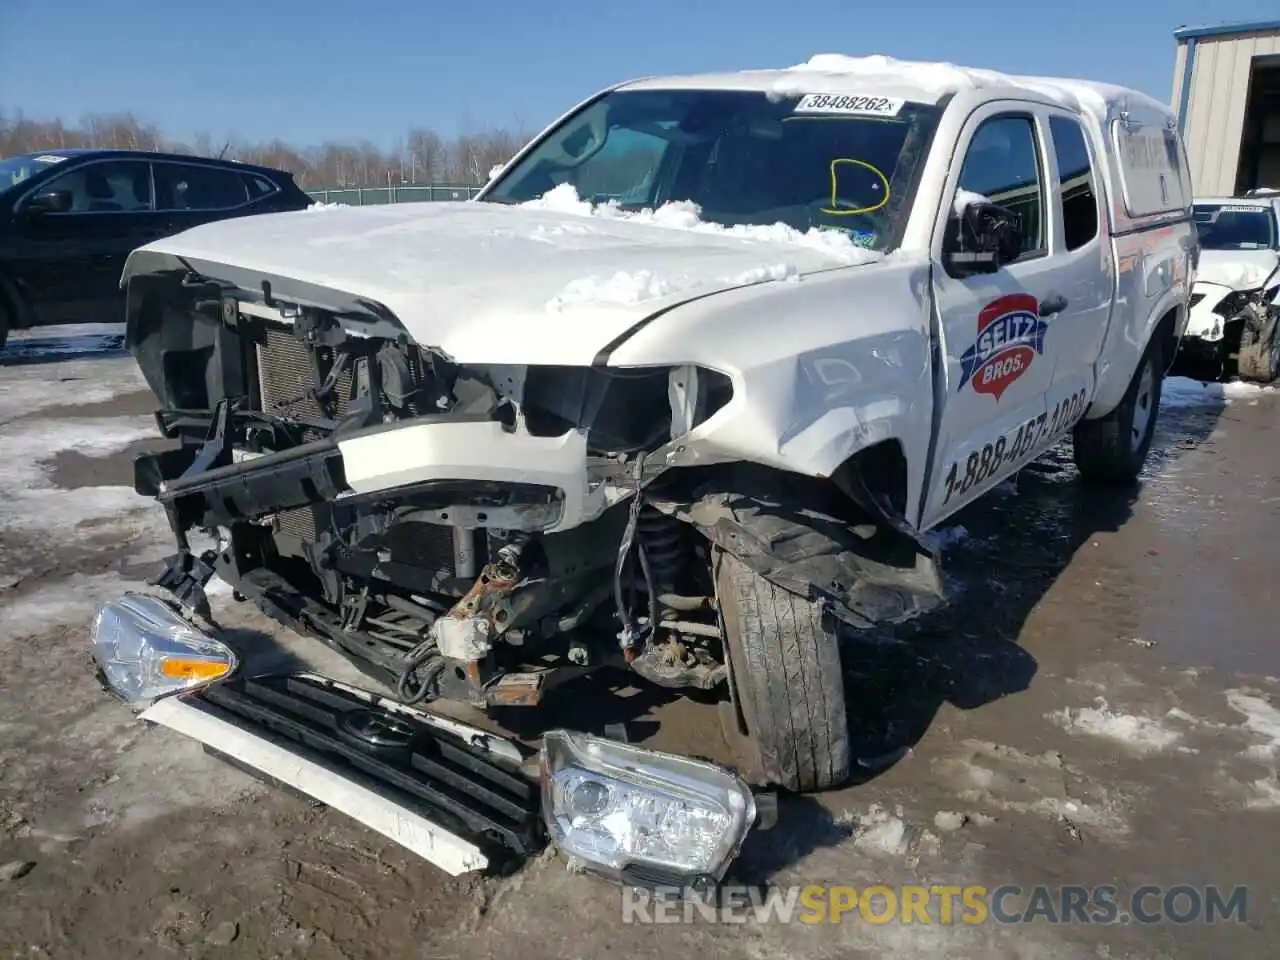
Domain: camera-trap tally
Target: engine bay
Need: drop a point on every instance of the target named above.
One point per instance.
(478, 590)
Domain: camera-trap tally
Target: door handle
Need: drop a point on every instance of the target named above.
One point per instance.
(1054, 303)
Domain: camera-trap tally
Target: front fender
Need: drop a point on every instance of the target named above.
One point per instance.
(777, 524)
(821, 369)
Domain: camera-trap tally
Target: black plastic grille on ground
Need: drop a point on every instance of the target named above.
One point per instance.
(434, 773)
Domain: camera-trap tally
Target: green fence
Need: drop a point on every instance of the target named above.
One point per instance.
(402, 193)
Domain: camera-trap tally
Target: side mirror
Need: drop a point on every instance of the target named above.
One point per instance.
(55, 201)
(982, 239)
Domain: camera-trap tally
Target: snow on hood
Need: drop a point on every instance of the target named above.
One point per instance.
(1237, 269)
(550, 281)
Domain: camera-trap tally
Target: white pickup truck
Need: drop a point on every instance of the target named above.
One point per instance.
(680, 392)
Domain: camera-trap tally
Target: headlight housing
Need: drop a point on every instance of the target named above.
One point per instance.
(145, 649)
(641, 816)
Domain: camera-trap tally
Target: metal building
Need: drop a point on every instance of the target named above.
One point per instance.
(1226, 91)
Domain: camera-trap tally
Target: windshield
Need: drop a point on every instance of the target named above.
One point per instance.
(1235, 226)
(836, 162)
(13, 170)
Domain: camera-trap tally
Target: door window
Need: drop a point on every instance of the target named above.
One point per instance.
(1003, 165)
(110, 186)
(181, 186)
(258, 187)
(1075, 177)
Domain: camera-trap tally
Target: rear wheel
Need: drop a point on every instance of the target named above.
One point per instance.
(6, 320)
(1112, 449)
(1259, 356)
(786, 720)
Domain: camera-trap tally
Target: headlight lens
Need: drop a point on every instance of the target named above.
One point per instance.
(619, 809)
(146, 649)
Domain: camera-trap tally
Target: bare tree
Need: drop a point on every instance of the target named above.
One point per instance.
(424, 156)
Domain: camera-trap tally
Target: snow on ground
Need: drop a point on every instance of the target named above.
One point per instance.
(64, 330)
(1143, 734)
(27, 389)
(1264, 794)
(879, 831)
(685, 215)
(1179, 392)
(1262, 720)
(61, 603)
(33, 504)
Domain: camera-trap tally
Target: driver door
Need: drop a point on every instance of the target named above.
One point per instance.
(997, 343)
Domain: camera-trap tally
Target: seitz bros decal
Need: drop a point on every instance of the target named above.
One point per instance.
(1010, 337)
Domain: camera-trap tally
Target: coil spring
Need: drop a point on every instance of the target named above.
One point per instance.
(663, 540)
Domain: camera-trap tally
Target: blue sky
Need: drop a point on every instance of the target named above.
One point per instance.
(349, 71)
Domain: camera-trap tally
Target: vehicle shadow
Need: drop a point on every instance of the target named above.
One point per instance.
(80, 345)
(260, 653)
(1000, 556)
(611, 699)
(804, 826)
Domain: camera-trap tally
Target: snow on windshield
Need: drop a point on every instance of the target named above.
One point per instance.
(684, 215)
(629, 288)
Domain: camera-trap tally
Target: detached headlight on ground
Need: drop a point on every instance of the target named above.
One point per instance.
(145, 649)
(639, 815)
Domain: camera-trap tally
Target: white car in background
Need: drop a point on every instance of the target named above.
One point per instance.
(1235, 316)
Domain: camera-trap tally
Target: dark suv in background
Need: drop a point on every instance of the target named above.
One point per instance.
(69, 218)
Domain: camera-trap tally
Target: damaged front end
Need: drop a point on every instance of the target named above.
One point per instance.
(478, 533)
(483, 534)
(457, 531)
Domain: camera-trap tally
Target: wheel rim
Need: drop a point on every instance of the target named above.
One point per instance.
(1143, 407)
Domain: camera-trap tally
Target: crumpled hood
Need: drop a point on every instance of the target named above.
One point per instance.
(1237, 269)
(493, 283)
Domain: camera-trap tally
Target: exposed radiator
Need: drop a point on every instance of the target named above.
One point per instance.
(285, 379)
(302, 523)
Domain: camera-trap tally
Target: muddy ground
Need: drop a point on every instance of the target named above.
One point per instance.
(1101, 705)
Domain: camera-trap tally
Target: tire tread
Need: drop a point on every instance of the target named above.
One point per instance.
(791, 660)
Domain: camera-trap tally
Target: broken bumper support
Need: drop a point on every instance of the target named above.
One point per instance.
(203, 485)
(459, 796)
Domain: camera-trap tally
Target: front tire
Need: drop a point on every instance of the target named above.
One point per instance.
(1259, 356)
(786, 720)
(1112, 449)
